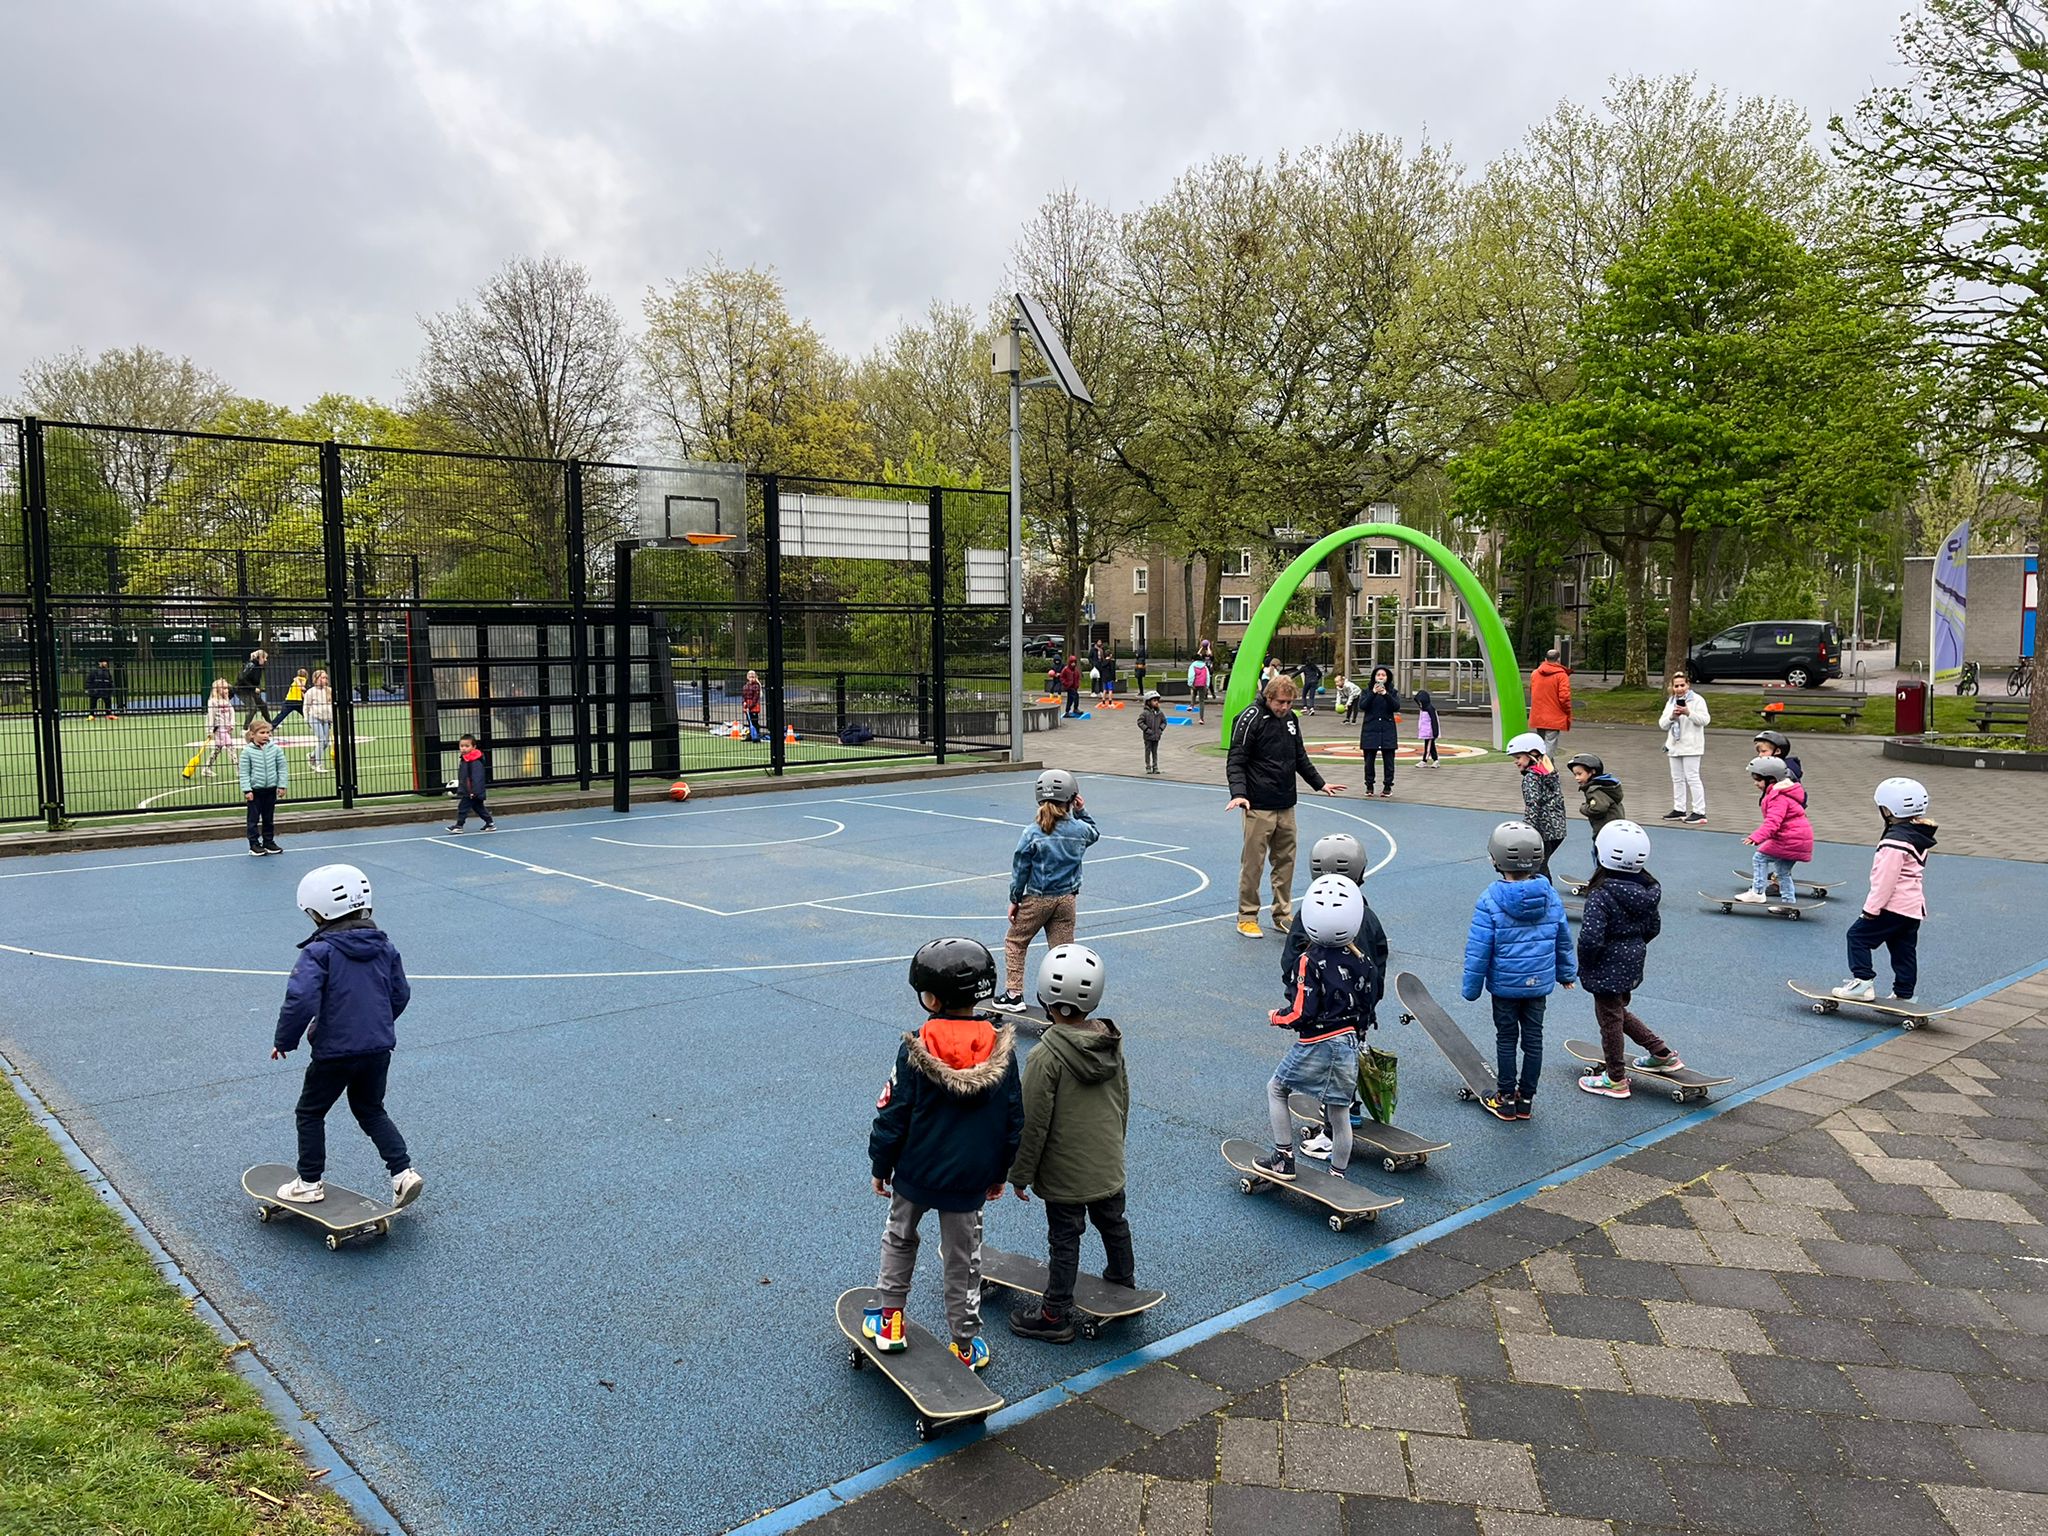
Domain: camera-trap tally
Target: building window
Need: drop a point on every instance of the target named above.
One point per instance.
(1429, 585)
(1383, 562)
(1139, 578)
(1237, 562)
(1236, 610)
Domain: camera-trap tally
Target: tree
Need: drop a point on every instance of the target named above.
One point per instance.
(929, 393)
(536, 367)
(1955, 161)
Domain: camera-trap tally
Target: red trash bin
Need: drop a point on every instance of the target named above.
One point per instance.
(1909, 704)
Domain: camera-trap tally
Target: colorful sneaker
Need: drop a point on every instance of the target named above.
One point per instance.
(1607, 1087)
(1277, 1164)
(973, 1354)
(1752, 898)
(1007, 1002)
(405, 1187)
(1653, 1062)
(299, 1192)
(1032, 1321)
(1857, 989)
(1250, 928)
(1316, 1144)
(1499, 1105)
(884, 1325)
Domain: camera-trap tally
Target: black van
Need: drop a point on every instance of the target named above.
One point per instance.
(1803, 653)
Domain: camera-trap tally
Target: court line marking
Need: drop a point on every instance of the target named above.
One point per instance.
(591, 880)
(773, 842)
(927, 885)
(831, 903)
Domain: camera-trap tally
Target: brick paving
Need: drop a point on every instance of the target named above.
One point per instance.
(1822, 1311)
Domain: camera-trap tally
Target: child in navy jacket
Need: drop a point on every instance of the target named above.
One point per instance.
(1519, 949)
(1334, 990)
(344, 998)
(472, 783)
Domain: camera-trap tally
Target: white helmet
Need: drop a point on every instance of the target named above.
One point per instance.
(334, 890)
(1071, 976)
(1623, 847)
(1528, 741)
(1904, 798)
(1332, 911)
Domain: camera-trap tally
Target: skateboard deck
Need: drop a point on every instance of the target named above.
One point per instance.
(1817, 889)
(1787, 909)
(1399, 1150)
(1346, 1202)
(1095, 1298)
(1682, 1083)
(344, 1213)
(1907, 1016)
(1418, 1007)
(938, 1383)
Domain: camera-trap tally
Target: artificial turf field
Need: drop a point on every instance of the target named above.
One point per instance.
(638, 1075)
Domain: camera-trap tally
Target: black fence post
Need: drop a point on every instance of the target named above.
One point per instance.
(579, 638)
(771, 535)
(924, 708)
(334, 547)
(622, 676)
(935, 557)
(839, 704)
(249, 636)
(43, 696)
(704, 696)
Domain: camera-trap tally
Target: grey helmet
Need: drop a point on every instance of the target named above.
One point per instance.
(1058, 786)
(1516, 848)
(1623, 847)
(1070, 976)
(1588, 761)
(1769, 768)
(1338, 853)
(1333, 910)
(1778, 740)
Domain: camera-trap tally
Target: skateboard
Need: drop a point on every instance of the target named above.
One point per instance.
(1788, 909)
(344, 1213)
(1418, 1007)
(1095, 1298)
(1347, 1202)
(1909, 1017)
(1682, 1083)
(1818, 890)
(938, 1383)
(1399, 1150)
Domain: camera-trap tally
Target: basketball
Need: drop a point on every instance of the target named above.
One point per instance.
(679, 790)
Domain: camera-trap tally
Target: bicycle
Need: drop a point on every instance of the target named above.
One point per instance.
(1966, 680)
(2021, 677)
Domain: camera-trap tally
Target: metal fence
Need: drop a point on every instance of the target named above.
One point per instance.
(140, 569)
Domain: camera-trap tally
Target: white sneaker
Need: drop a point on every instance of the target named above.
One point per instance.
(405, 1187)
(301, 1193)
(1315, 1144)
(1753, 898)
(1857, 990)
(206, 773)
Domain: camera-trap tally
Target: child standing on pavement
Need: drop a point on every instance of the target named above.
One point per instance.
(1332, 995)
(1427, 728)
(264, 775)
(1542, 795)
(345, 996)
(1897, 903)
(946, 1131)
(1620, 921)
(1077, 1103)
(1045, 878)
(1198, 686)
(1519, 949)
(472, 782)
(1152, 726)
(1785, 837)
(1601, 792)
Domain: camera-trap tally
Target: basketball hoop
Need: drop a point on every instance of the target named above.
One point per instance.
(709, 539)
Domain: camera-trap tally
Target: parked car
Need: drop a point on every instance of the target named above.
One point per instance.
(1803, 653)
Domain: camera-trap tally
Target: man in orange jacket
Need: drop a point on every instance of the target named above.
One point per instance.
(1550, 700)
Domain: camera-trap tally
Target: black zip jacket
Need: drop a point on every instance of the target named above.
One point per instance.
(1266, 755)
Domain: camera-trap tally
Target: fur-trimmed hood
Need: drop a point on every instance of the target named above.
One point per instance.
(989, 1055)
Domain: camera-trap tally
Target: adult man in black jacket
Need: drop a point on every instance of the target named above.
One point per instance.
(1266, 755)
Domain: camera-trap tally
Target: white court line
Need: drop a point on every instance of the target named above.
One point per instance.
(603, 885)
(773, 842)
(831, 903)
(926, 885)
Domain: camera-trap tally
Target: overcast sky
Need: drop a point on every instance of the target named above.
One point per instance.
(279, 188)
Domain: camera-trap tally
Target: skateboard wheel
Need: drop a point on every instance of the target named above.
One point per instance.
(1091, 1330)
(854, 1357)
(1336, 1223)
(384, 1227)
(1392, 1165)
(1247, 1185)
(1909, 1023)
(1822, 1008)
(333, 1243)
(1467, 1095)
(1794, 913)
(264, 1213)
(925, 1427)
(1679, 1095)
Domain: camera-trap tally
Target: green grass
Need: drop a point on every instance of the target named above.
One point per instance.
(118, 1412)
(1736, 710)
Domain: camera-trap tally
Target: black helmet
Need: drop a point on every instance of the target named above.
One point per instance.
(1587, 761)
(958, 972)
(1778, 741)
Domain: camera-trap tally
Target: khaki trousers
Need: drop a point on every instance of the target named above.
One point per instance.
(1052, 914)
(1267, 834)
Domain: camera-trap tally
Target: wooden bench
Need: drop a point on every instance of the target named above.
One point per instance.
(1987, 715)
(14, 690)
(1848, 710)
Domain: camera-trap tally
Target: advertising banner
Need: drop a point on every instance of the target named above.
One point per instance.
(1950, 600)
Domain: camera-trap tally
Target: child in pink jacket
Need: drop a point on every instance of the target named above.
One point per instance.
(1897, 902)
(1785, 838)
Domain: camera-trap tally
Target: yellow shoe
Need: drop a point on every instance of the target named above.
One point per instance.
(1250, 928)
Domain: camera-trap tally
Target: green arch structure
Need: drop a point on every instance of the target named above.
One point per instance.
(1510, 703)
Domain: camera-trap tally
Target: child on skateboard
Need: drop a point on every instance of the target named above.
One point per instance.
(1778, 744)
(1333, 993)
(946, 1131)
(1152, 726)
(345, 996)
(1621, 919)
(1045, 878)
(1897, 903)
(1519, 949)
(1338, 853)
(1601, 792)
(1542, 795)
(1784, 838)
(1077, 1103)
(472, 782)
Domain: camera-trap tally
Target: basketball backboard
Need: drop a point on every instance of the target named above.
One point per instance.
(703, 506)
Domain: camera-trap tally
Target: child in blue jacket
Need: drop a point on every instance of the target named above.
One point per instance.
(1519, 949)
(344, 999)
(1045, 879)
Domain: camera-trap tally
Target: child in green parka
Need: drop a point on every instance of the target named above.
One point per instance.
(1077, 1102)
(1602, 792)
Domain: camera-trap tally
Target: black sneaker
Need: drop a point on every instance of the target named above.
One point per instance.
(452, 830)
(1032, 1321)
(1007, 1002)
(490, 826)
(255, 850)
(1524, 1107)
(272, 848)
(1499, 1105)
(1276, 1165)
(1696, 816)
(1674, 815)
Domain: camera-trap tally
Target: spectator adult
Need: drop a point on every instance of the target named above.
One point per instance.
(1379, 734)
(1139, 656)
(249, 688)
(1684, 720)
(1550, 700)
(1311, 683)
(1267, 755)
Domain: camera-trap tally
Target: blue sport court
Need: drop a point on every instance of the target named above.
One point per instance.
(638, 1073)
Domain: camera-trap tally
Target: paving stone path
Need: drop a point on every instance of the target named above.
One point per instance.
(1822, 1311)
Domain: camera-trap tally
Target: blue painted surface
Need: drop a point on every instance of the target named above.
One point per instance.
(616, 1161)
